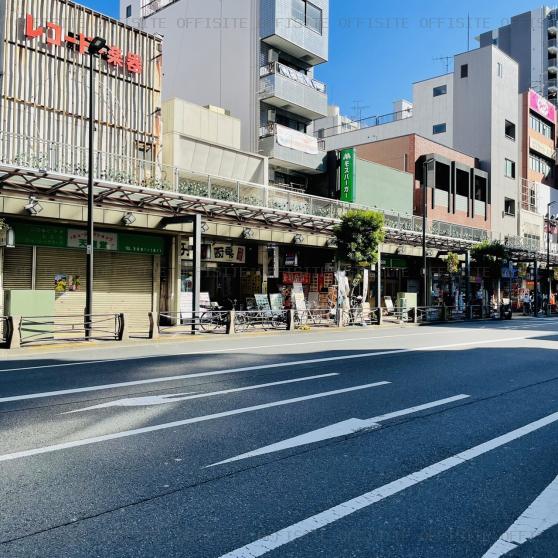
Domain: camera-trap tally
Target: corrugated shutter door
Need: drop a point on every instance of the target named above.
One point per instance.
(18, 268)
(122, 283)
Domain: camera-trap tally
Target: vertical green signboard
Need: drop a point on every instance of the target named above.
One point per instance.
(348, 175)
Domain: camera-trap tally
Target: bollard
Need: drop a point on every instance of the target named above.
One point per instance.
(231, 320)
(415, 315)
(444, 314)
(153, 325)
(380, 316)
(291, 323)
(123, 333)
(13, 337)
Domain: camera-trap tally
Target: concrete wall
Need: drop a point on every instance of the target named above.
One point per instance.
(203, 141)
(211, 52)
(482, 103)
(384, 188)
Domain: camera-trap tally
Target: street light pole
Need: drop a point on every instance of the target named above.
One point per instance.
(95, 47)
(549, 292)
(425, 166)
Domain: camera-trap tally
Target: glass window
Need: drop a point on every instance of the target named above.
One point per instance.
(510, 130)
(440, 90)
(500, 69)
(128, 11)
(465, 70)
(509, 207)
(439, 128)
(299, 11)
(540, 126)
(510, 169)
(314, 17)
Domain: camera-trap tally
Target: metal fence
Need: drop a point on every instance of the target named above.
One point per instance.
(262, 320)
(204, 321)
(44, 329)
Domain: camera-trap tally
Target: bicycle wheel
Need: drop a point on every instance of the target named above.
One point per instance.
(209, 321)
(240, 323)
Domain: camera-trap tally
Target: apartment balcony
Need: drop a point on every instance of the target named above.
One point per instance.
(283, 87)
(553, 66)
(280, 30)
(553, 85)
(553, 46)
(291, 149)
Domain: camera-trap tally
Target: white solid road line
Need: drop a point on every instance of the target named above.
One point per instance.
(217, 351)
(344, 428)
(327, 517)
(152, 400)
(540, 516)
(175, 424)
(254, 368)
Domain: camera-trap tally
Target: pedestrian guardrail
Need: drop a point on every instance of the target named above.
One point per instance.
(315, 317)
(26, 330)
(261, 320)
(202, 321)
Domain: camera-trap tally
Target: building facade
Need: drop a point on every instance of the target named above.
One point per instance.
(254, 58)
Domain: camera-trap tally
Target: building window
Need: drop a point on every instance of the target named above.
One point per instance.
(539, 125)
(129, 11)
(500, 67)
(439, 129)
(464, 70)
(541, 165)
(308, 14)
(510, 169)
(509, 207)
(510, 130)
(440, 90)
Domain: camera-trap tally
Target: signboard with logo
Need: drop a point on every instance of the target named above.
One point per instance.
(542, 106)
(348, 175)
(541, 148)
(54, 35)
(61, 237)
(217, 252)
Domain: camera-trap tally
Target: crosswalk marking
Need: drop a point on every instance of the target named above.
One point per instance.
(344, 428)
(540, 516)
(175, 424)
(178, 397)
(311, 524)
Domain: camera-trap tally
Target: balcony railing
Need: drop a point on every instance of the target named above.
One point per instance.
(71, 161)
(150, 7)
(290, 73)
(368, 122)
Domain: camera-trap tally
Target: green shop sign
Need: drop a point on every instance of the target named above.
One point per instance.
(27, 234)
(348, 175)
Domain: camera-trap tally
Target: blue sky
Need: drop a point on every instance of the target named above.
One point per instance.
(378, 49)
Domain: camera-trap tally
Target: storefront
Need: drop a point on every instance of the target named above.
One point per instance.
(127, 269)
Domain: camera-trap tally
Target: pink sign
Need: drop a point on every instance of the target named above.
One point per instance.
(541, 106)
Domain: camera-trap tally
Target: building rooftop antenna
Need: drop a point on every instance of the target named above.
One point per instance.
(446, 60)
(358, 110)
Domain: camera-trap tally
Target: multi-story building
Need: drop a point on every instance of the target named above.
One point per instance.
(531, 39)
(254, 58)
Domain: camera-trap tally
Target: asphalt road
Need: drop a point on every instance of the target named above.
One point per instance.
(432, 442)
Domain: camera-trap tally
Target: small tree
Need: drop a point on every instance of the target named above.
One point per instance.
(359, 236)
(491, 256)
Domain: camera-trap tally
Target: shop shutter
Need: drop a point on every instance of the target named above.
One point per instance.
(122, 283)
(18, 268)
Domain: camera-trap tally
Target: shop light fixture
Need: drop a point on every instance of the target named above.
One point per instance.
(97, 45)
(33, 207)
(247, 234)
(298, 239)
(204, 227)
(129, 219)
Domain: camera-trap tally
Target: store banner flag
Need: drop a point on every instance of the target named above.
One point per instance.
(348, 175)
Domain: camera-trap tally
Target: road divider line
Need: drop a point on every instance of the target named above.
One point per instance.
(179, 397)
(176, 424)
(288, 364)
(539, 517)
(345, 428)
(217, 351)
(311, 524)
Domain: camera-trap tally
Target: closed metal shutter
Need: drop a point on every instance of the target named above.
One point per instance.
(122, 283)
(18, 268)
